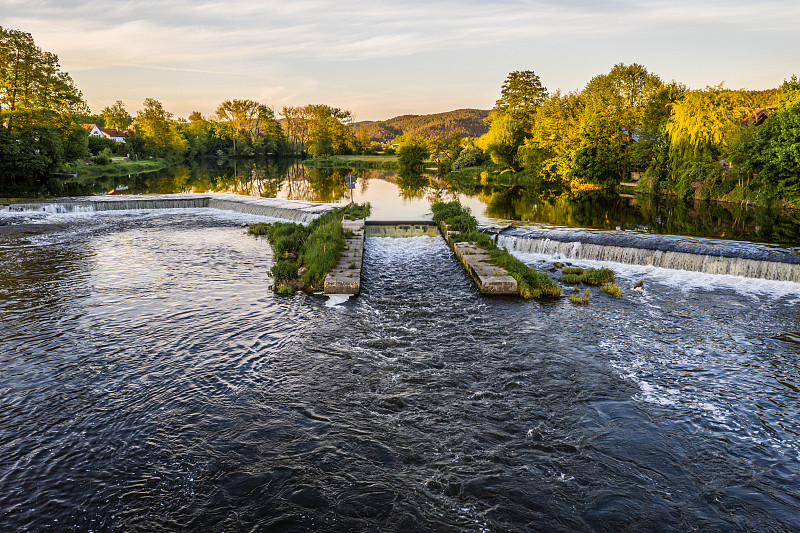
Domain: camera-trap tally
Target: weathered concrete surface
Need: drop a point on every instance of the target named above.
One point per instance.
(388, 228)
(489, 278)
(303, 212)
(346, 278)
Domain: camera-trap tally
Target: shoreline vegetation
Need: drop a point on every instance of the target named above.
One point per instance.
(626, 128)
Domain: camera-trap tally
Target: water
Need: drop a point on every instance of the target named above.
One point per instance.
(408, 197)
(152, 381)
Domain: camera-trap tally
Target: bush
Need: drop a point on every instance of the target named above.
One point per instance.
(469, 157)
(103, 158)
(283, 271)
(285, 290)
(258, 229)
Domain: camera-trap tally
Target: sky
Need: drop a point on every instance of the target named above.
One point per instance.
(382, 58)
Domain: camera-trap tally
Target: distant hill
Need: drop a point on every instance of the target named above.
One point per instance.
(468, 122)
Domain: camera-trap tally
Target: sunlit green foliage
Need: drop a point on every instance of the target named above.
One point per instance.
(598, 276)
(581, 300)
(612, 288)
(530, 282)
(305, 254)
(412, 151)
(116, 116)
(572, 279)
(502, 142)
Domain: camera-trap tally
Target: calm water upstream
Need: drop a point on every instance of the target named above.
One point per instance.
(396, 196)
(150, 380)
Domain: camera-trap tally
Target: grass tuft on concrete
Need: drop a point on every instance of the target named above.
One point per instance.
(530, 282)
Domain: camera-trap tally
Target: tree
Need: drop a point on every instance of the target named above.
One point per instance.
(239, 116)
(412, 151)
(155, 124)
(615, 106)
(116, 117)
(550, 151)
(503, 141)
(702, 121)
(31, 80)
(521, 94)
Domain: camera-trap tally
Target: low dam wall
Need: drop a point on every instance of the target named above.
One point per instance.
(302, 212)
(708, 256)
(402, 228)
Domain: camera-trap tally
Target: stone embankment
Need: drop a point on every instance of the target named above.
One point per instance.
(346, 277)
(489, 278)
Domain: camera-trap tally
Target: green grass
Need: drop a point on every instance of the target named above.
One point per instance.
(581, 300)
(259, 229)
(612, 288)
(572, 279)
(119, 168)
(572, 270)
(380, 162)
(530, 282)
(305, 254)
(598, 276)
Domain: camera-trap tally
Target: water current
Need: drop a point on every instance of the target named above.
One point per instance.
(152, 381)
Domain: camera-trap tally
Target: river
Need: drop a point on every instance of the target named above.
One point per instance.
(151, 380)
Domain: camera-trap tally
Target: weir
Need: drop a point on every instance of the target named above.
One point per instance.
(664, 251)
(302, 212)
(707, 256)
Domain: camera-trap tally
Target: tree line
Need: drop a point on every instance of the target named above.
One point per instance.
(715, 142)
(42, 113)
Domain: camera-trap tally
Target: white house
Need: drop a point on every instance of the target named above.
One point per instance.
(109, 133)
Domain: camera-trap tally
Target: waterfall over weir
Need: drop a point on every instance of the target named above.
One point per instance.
(699, 255)
(302, 212)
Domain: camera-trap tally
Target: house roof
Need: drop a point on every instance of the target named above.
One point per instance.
(758, 115)
(89, 127)
(113, 133)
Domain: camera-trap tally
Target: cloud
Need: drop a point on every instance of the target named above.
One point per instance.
(269, 44)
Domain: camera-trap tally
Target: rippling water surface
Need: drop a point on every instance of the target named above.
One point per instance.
(152, 381)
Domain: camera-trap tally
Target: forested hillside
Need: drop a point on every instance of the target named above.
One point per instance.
(468, 122)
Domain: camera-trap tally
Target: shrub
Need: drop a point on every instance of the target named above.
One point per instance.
(103, 158)
(285, 290)
(283, 271)
(259, 229)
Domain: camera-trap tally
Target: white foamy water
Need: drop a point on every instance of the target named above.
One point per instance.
(684, 280)
(56, 214)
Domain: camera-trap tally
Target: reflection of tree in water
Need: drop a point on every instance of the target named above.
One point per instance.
(412, 183)
(441, 190)
(315, 184)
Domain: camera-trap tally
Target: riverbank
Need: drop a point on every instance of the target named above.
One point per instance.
(377, 162)
(92, 171)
